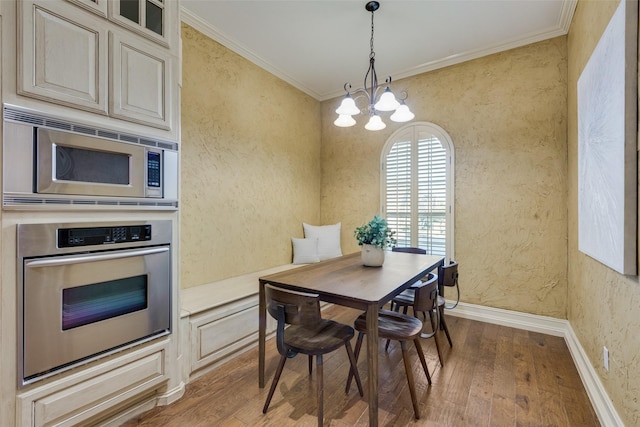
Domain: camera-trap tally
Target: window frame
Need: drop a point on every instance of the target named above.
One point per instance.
(413, 129)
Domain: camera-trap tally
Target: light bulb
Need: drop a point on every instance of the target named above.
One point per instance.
(348, 106)
(402, 114)
(375, 123)
(344, 121)
(387, 101)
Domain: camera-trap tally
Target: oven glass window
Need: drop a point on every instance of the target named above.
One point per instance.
(87, 304)
(82, 165)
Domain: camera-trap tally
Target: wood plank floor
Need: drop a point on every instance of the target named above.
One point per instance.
(493, 376)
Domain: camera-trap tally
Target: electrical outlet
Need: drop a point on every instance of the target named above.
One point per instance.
(605, 358)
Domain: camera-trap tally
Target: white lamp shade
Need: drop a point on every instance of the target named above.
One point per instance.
(402, 114)
(375, 123)
(387, 101)
(348, 107)
(344, 121)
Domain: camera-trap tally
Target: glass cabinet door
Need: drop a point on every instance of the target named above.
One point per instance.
(147, 17)
(146, 13)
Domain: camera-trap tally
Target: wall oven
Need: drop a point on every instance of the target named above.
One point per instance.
(49, 161)
(87, 290)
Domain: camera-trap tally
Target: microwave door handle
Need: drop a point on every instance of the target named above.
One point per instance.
(50, 262)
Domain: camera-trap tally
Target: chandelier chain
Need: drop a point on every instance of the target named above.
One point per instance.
(372, 54)
(371, 74)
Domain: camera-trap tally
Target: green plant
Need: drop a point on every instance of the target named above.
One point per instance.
(376, 232)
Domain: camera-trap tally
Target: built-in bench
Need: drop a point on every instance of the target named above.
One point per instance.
(219, 320)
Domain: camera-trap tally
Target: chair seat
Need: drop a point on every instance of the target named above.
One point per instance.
(392, 325)
(405, 297)
(322, 338)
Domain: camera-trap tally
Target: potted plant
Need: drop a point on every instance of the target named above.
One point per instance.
(374, 237)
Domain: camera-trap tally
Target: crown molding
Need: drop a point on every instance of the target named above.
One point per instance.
(211, 32)
(561, 29)
(566, 15)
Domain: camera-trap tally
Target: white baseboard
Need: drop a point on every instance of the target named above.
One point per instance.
(171, 396)
(607, 414)
(514, 319)
(599, 398)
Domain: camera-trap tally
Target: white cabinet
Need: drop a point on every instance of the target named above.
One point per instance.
(69, 55)
(62, 56)
(218, 334)
(96, 6)
(140, 81)
(150, 18)
(89, 395)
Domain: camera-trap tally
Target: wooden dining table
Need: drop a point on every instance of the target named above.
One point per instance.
(346, 281)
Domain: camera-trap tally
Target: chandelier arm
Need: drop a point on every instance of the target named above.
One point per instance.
(360, 91)
(372, 77)
(386, 83)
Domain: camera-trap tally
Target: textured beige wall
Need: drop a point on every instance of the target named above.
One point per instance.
(250, 170)
(506, 115)
(604, 306)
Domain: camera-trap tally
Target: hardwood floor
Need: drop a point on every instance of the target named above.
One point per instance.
(493, 376)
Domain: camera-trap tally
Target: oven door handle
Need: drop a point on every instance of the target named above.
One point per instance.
(49, 262)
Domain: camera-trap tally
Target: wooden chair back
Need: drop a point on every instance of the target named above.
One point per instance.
(410, 250)
(448, 274)
(426, 295)
(292, 307)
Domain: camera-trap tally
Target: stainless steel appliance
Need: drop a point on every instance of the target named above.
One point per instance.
(89, 289)
(48, 161)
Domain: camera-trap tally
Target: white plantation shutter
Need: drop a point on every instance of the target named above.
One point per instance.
(417, 187)
(398, 195)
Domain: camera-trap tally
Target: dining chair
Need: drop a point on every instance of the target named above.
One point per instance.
(410, 250)
(308, 333)
(447, 276)
(423, 303)
(403, 328)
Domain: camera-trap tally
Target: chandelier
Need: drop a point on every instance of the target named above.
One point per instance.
(386, 102)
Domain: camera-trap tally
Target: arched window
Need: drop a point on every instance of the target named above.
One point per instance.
(417, 187)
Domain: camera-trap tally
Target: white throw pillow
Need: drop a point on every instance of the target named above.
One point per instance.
(328, 239)
(305, 251)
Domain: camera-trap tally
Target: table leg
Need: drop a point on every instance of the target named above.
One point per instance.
(372, 362)
(262, 328)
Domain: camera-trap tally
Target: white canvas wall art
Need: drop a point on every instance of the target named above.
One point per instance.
(607, 141)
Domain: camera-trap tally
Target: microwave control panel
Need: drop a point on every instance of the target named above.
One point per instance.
(153, 169)
(74, 237)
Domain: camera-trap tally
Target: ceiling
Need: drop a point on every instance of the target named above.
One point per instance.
(319, 45)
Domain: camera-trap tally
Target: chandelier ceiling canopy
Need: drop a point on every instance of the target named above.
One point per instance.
(384, 103)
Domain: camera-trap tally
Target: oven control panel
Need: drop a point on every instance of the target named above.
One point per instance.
(74, 237)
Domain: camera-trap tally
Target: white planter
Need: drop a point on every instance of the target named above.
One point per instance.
(372, 256)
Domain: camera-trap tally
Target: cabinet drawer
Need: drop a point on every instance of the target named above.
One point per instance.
(78, 403)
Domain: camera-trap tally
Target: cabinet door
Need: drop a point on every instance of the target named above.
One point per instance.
(140, 87)
(62, 55)
(153, 19)
(96, 6)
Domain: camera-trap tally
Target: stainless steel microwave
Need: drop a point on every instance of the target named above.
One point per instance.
(48, 161)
